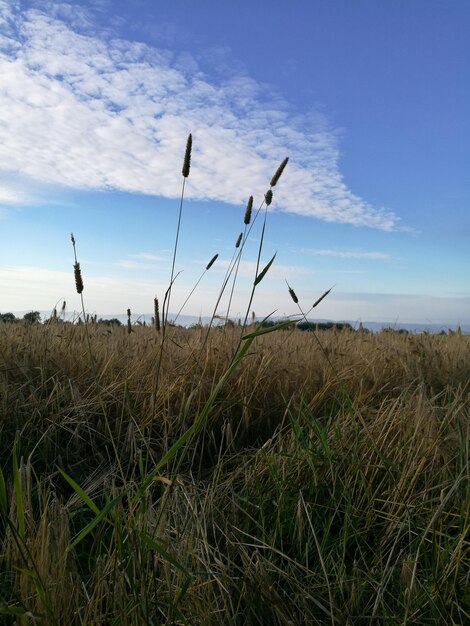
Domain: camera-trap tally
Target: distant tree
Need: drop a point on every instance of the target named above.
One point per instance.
(8, 318)
(266, 324)
(33, 317)
(112, 322)
(323, 325)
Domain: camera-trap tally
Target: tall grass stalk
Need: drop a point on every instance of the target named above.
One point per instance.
(185, 173)
(79, 288)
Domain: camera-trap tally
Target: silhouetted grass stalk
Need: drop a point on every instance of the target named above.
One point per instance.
(79, 288)
(185, 173)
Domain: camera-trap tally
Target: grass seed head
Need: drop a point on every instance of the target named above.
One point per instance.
(278, 172)
(187, 156)
(78, 277)
(157, 314)
(212, 261)
(268, 196)
(239, 240)
(321, 298)
(293, 295)
(248, 210)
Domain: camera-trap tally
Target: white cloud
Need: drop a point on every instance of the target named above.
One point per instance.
(347, 254)
(148, 256)
(83, 110)
(11, 196)
(135, 265)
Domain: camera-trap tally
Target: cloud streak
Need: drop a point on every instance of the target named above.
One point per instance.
(348, 254)
(84, 110)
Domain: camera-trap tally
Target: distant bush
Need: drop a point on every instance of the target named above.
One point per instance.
(112, 322)
(324, 325)
(8, 318)
(33, 317)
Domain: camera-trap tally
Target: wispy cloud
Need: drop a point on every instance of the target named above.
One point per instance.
(347, 254)
(136, 265)
(143, 261)
(81, 109)
(12, 196)
(148, 256)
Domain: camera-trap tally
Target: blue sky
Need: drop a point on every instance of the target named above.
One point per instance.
(368, 99)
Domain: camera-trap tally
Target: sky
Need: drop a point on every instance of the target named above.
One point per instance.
(368, 99)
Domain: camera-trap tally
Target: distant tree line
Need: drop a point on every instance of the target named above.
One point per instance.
(324, 326)
(305, 325)
(34, 317)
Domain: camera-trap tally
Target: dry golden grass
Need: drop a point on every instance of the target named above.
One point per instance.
(309, 496)
(191, 476)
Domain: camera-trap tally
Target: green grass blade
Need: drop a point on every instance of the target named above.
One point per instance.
(192, 431)
(18, 611)
(165, 459)
(18, 493)
(94, 522)
(271, 329)
(3, 494)
(153, 545)
(262, 274)
(80, 492)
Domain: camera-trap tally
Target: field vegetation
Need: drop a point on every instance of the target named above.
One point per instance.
(244, 474)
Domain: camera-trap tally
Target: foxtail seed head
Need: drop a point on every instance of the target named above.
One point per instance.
(239, 240)
(249, 208)
(268, 196)
(157, 314)
(187, 156)
(293, 295)
(278, 172)
(212, 261)
(78, 277)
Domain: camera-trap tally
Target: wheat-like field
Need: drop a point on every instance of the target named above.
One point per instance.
(315, 491)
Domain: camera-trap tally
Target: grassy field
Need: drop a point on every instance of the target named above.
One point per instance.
(287, 488)
(242, 475)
